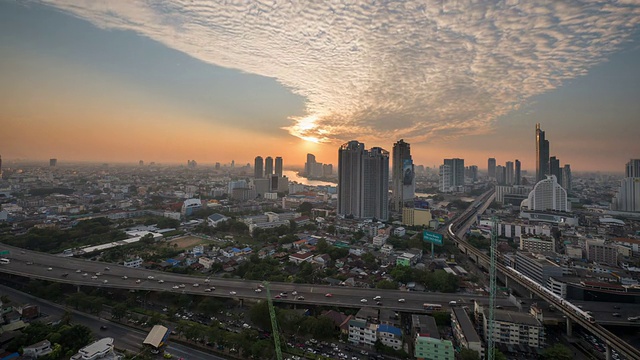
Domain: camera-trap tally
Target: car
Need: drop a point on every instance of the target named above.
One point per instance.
(182, 285)
(138, 281)
(160, 281)
(294, 293)
(78, 271)
(176, 287)
(98, 274)
(379, 303)
(300, 297)
(196, 285)
(65, 275)
(278, 297)
(261, 286)
(377, 298)
(258, 290)
(165, 309)
(212, 288)
(283, 294)
(616, 314)
(401, 300)
(107, 268)
(49, 269)
(85, 274)
(125, 277)
(616, 307)
(150, 277)
(232, 292)
(94, 277)
(29, 262)
(328, 295)
(207, 280)
(103, 327)
(207, 290)
(363, 300)
(105, 281)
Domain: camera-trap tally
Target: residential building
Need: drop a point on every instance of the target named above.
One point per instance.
(416, 217)
(258, 167)
(399, 231)
(133, 262)
(501, 175)
(268, 167)
(554, 168)
(445, 179)
(598, 251)
(538, 267)
(547, 194)
(518, 175)
(380, 240)
(206, 262)
(100, 349)
(403, 176)
(300, 257)
(38, 349)
(427, 342)
(627, 197)
(567, 179)
(513, 328)
(278, 169)
(537, 244)
(390, 335)
(457, 171)
(464, 332)
(362, 332)
(491, 168)
(510, 173)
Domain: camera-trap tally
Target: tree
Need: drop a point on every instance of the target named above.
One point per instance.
(119, 311)
(468, 354)
(387, 284)
(442, 318)
(305, 208)
(369, 260)
(259, 315)
(557, 352)
(322, 246)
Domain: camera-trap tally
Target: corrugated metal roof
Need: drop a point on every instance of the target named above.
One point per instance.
(156, 335)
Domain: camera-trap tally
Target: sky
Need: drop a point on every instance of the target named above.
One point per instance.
(215, 81)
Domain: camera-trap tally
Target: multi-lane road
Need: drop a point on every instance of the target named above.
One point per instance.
(43, 266)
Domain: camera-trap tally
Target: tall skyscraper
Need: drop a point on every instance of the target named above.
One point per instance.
(473, 173)
(518, 179)
(566, 178)
(53, 162)
(308, 166)
(542, 154)
(363, 181)
(279, 166)
(457, 171)
(268, 167)
(509, 173)
(554, 169)
(501, 175)
(628, 196)
(258, 170)
(491, 169)
(403, 176)
(445, 178)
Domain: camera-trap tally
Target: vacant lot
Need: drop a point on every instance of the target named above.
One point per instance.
(187, 242)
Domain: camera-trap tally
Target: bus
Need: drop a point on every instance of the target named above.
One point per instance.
(432, 307)
(4, 261)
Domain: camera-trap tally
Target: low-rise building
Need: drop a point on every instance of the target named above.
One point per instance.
(133, 262)
(362, 332)
(390, 335)
(513, 328)
(416, 217)
(399, 231)
(101, 349)
(299, 258)
(538, 267)
(464, 332)
(206, 262)
(537, 244)
(428, 345)
(380, 240)
(38, 349)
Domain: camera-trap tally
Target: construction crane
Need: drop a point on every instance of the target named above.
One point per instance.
(492, 289)
(274, 322)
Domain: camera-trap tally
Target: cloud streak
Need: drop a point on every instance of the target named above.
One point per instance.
(377, 70)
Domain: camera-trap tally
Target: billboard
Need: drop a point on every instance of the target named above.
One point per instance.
(432, 237)
(407, 172)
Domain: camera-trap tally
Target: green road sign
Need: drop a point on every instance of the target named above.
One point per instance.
(4, 252)
(432, 237)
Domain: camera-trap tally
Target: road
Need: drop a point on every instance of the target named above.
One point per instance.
(80, 272)
(125, 338)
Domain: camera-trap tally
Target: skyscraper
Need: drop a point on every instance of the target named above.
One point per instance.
(501, 175)
(491, 170)
(542, 154)
(403, 175)
(554, 168)
(308, 166)
(279, 166)
(457, 171)
(268, 167)
(518, 179)
(258, 168)
(363, 181)
(628, 196)
(632, 169)
(53, 162)
(566, 178)
(509, 173)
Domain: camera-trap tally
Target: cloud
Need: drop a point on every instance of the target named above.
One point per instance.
(375, 69)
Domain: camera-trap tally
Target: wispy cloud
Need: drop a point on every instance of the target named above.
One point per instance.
(387, 69)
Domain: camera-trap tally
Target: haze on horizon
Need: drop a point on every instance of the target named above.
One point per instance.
(215, 82)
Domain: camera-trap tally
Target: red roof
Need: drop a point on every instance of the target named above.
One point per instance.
(303, 256)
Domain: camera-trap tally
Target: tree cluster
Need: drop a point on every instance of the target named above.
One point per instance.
(65, 340)
(438, 280)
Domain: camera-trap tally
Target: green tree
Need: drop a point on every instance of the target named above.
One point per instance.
(209, 306)
(468, 354)
(557, 352)
(119, 311)
(305, 208)
(442, 318)
(322, 246)
(387, 284)
(369, 260)
(259, 315)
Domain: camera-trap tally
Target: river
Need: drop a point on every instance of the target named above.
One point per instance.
(293, 176)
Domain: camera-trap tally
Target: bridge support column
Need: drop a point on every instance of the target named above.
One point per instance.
(78, 288)
(569, 327)
(607, 351)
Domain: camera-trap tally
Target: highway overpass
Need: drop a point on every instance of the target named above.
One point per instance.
(456, 233)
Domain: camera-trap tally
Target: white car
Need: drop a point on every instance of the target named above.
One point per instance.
(176, 287)
(196, 285)
(207, 280)
(363, 301)
(125, 277)
(138, 281)
(98, 274)
(232, 292)
(160, 281)
(94, 277)
(207, 290)
(106, 281)
(182, 285)
(78, 271)
(258, 290)
(49, 269)
(401, 300)
(85, 274)
(150, 277)
(294, 293)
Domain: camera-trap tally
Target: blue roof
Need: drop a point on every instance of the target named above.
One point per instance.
(172, 261)
(236, 250)
(217, 217)
(11, 356)
(390, 329)
(247, 249)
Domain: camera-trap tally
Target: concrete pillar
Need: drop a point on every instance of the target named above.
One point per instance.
(569, 327)
(78, 288)
(607, 351)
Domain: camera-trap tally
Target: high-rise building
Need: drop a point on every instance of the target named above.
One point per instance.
(258, 170)
(445, 178)
(268, 167)
(473, 173)
(279, 166)
(501, 175)
(217, 167)
(566, 178)
(548, 195)
(403, 176)
(53, 162)
(363, 181)
(554, 168)
(509, 173)
(457, 171)
(308, 166)
(628, 196)
(518, 179)
(0, 167)
(491, 169)
(542, 154)
(327, 170)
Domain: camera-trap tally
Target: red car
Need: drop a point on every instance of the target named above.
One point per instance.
(328, 295)
(278, 296)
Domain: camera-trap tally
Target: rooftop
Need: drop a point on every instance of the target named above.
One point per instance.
(514, 317)
(465, 323)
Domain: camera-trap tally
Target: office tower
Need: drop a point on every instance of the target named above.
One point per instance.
(445, 178)
(258, 168)
(501, 175)
(628, 196)
(632, 169)
(279, 166)
(473, 172)
(554, 168)
(53, 162)
(518, 179)
(233, 163)
(0, 166)
(457, 171)
(542, 154)
(510, 174)
(363, 181)
(217, 167)
(268, 167)
(403, 176)
(547, 194)
(308, 166)
(566, 178)
(491, 170)
(327, 170)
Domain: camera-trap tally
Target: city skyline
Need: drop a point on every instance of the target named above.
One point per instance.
(108, 82)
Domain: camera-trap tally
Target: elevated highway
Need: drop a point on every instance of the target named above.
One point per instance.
(456, 232)
(80, 272)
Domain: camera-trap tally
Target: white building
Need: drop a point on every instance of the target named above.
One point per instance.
(363, 333)
(38, 349)
(537, 244)
(100, 349)
(445, 179)
(628, 196)
(205, 262)
(513, 328)
(399, 231)
(133, 263)
(380, 240)
(547, 194)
